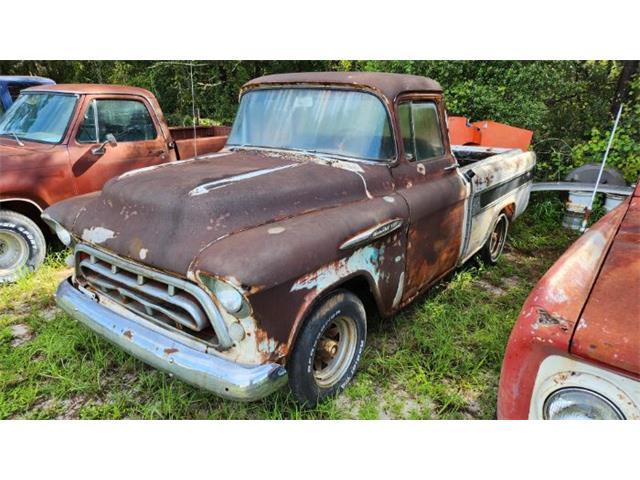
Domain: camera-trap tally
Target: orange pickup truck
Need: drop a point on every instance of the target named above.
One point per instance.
(58, 141)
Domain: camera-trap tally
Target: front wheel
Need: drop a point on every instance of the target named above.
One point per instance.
(328, 348)
(22, 245)
(495, 243)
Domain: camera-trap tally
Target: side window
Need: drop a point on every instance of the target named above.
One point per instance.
(427, 131)
(420, 130)
(126, 120)
(406, 130)
(87, 132)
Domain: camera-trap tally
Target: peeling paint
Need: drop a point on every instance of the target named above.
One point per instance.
(143, 253)
(364, 259)
(97, 234)
(276, 230)
(224, 182)
(398, 296)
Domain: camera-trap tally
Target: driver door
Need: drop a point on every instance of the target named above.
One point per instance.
(139, 140)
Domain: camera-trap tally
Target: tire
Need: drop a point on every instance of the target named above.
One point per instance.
(22, 245)
(318, 345)
(492, 249)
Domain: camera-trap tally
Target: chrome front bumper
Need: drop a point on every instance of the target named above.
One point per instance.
(148, 343)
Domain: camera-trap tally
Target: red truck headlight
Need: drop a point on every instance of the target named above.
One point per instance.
(575, 403)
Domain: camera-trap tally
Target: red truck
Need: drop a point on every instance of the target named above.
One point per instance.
(338, 195)
(58, 141)
(574, 352)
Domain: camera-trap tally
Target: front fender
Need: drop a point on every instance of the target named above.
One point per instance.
(549, 316)
(283, 267)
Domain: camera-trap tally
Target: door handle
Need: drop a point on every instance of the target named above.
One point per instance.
(451, 167)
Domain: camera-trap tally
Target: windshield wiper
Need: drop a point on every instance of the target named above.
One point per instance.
(15, 135)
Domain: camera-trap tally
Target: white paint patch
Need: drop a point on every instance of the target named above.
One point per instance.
(143, 253)
(131, 173)
(557, 295)
(276, 230)
(224, 182)
(364, 259)
(97, 234)
(389, 199)
(399, 291)
(421, 169)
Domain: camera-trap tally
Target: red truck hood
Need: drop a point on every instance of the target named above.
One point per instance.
(31, 155)
(609, 328)
(165, 215)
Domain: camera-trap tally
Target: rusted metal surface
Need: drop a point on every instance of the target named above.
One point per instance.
(609, 328)
(284, 228)
(551, 314)
(387, 85)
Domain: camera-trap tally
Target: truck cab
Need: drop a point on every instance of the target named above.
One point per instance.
(59, 141)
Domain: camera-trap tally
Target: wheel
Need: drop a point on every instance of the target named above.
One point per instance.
(328, 348)
(492, 250)
(22, 245)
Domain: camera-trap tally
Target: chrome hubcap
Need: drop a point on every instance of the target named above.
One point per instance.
(334, 351)
(14, 251)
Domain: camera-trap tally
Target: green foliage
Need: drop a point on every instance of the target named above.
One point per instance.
(566, 103)
(625, 149)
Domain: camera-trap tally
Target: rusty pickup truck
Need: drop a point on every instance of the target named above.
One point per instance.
(337, 197)
(57, 141)
(574, 352)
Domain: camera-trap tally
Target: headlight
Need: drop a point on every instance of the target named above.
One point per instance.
(579, 404)
(230, 298)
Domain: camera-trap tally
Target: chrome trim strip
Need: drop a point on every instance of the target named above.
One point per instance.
(372, 233)
(150, 344)
(217, 322)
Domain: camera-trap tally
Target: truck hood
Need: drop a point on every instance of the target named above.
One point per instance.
(31, 155)
(165, 215)
(609, 328)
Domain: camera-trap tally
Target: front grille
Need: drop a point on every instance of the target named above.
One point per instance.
(159, 297)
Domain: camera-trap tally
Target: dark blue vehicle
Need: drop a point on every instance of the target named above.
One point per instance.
(11, 85)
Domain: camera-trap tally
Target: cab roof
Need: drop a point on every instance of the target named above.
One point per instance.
(91, 89)
(389, 85)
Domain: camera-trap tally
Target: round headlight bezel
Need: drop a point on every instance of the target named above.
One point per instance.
(557, 394)
(226, 294)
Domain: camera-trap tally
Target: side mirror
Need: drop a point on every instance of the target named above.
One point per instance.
(102, 148)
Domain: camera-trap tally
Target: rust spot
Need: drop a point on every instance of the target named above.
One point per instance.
(169, 351)
(128, 334)
(549, 319)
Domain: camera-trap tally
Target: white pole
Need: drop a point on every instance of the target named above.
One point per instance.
(587, 211)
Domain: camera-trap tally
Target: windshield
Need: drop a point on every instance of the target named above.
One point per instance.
(38, 116)
(346, 123)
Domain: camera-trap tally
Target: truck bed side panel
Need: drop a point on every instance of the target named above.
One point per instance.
(208, 140)
(501, 182)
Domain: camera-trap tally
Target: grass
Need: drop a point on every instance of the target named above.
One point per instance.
(439, 358)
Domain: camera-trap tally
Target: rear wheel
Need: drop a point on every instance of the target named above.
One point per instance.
(22, 245)
(328, 349)
(495, 243)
